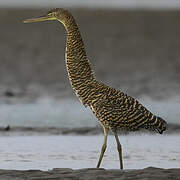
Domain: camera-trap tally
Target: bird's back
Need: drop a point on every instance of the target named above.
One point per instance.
(114, 109)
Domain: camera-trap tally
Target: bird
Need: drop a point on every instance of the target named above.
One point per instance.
(114, 109)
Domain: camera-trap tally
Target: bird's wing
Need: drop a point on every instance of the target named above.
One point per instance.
(122, 111)
(133, 114)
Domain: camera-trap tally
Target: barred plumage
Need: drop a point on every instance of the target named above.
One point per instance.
(114, 109)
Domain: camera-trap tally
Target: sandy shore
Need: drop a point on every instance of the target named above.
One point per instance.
(93, 173)
(77, 152)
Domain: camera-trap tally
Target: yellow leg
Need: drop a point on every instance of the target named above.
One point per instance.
(119, 149)
(103, 149)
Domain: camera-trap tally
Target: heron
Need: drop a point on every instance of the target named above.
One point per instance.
(114, 109)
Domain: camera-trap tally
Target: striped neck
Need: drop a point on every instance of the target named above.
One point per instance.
(74, 46)
(79, 71)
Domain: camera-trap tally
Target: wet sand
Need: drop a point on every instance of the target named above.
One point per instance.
(60, 151)
(150, 173)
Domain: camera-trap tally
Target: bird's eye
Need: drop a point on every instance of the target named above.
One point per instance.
(50, 14)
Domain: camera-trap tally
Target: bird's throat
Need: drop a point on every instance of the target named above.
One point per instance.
(78, 66)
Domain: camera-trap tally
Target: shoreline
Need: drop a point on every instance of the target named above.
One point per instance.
(8, 130)
(92, 173)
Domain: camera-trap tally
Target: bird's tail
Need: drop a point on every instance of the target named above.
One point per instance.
(157, 124)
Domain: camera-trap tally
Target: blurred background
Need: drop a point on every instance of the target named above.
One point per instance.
(133, 45)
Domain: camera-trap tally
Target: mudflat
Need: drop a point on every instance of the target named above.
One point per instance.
(93, 173)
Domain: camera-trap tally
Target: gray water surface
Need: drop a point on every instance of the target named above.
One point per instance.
(143, 4)
(48, 112)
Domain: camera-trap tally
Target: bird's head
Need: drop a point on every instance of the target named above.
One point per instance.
(54, 14)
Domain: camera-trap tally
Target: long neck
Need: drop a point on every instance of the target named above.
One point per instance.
(78, 66)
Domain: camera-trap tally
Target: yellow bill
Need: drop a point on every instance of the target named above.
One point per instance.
(39, 19)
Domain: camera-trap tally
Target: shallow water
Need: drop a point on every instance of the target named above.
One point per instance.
(47, 152)
(48, 112)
